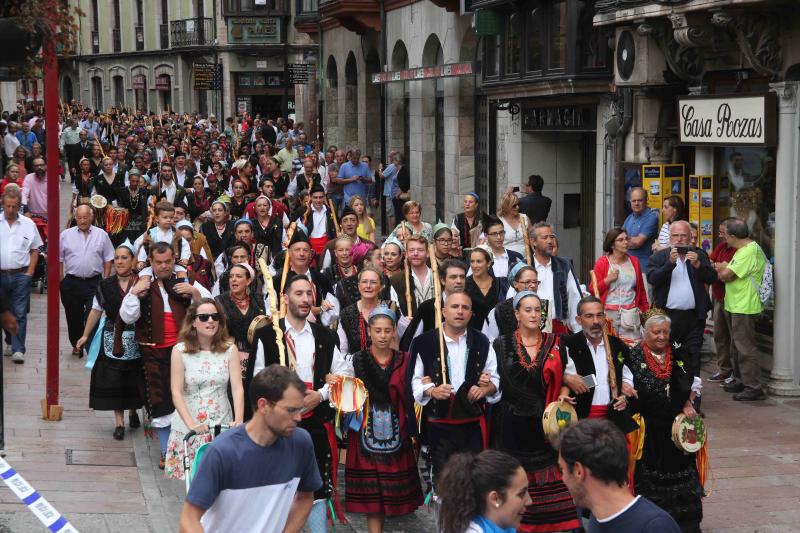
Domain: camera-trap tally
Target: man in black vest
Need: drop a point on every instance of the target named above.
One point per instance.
(557, 282)
(588, 355)
(312, 351)
(453, 408)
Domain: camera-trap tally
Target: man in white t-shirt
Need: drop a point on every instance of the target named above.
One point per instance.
(261, 476)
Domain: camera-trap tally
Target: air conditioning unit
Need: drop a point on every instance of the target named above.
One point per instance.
(638, 60)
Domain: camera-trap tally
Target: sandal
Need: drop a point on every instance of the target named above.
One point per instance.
(119, 432)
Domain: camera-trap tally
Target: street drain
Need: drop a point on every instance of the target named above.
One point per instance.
(99, 458)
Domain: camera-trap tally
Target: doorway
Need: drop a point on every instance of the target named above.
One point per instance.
(269, 106)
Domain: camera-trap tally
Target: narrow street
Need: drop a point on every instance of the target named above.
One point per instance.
(102, 485)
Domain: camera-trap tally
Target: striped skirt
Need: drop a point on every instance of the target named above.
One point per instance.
(552, 508)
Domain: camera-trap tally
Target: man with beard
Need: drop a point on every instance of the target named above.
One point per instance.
(453, 407)
(557, 282)
(157, 304)
(166, 188)
(34, 189)
(325, 306)
(589, 355)
(311, 350)
(267, 188)
(420, 278)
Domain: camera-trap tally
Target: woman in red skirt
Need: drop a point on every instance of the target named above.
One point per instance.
(381, 477)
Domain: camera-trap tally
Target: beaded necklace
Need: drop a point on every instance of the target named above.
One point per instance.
(527, 362)
(659, 370)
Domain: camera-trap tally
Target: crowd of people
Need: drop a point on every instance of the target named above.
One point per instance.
(231, 275)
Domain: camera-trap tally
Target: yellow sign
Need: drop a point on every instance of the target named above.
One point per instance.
(701, 209)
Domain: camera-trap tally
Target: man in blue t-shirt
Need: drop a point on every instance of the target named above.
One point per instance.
(261, 476)
(593, 459)
(355, 175)
(641, 227)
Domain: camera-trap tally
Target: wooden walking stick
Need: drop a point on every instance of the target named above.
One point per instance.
(335, 218)
(437, 304)
(527, 238)
(407, 275)
(289, 234)
(273, 310)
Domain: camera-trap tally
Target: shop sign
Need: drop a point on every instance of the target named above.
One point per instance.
(244, 104)
(207, 76)
(727, 120)
(139, 82)
(299, 73)
(260, 30)
(163, 83)
(560, 118)
(425, 73)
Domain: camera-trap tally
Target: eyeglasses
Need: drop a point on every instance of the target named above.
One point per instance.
(515, 206)
(530, 283)
(204, 317)
(497, 233)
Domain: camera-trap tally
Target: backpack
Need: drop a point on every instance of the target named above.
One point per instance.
(766, 288)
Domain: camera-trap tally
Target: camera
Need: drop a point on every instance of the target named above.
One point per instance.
(682, 250)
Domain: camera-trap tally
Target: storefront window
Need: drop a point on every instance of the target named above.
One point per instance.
(744, 187)
(513, 48)
(592, 42)
(492, 55)
(534, 33)
(558, 35)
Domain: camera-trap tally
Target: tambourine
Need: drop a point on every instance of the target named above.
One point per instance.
(557, 417)
(98, 201)
(688, 434)
(257, 323)
(349, 395)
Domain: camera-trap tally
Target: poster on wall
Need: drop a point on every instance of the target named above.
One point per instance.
(652, 176)
(705, 233)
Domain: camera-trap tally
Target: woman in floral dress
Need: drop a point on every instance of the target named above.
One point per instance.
(204, 362)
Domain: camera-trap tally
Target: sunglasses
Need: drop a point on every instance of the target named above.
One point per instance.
(204, 317)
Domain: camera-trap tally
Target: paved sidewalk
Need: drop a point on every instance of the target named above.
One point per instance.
(754, 456)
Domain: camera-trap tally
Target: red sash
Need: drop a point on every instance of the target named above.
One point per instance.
(170, 332)
(481, 420)
(318, 244)
(598, 411)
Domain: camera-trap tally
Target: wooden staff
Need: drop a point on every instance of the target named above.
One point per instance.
(273, 309)
(407, 274)
(335, 218)
(527, 239)
(437, 303)
(289, 234)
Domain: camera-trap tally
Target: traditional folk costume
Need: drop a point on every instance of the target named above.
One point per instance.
(419, 291)
(312, 352)
(116, 383)
(335, 273)
(269, 235)
(136, 204)
(321, 229)
(238, 322)
(454, 425)
(664, 474)
(529, 384)
(158, 316)
(218, 241)
(425, 320)
(353, 328)
(381, 472)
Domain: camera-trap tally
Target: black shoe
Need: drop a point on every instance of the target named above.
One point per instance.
(719, 377)
(736, 386)
(750, 394)
(133, 420)
(119, 432)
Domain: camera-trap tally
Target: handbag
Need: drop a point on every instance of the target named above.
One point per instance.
(97, 341)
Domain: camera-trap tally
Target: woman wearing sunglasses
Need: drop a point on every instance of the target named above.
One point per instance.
(204, 362)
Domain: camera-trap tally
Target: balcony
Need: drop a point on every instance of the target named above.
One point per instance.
(139, 38)
(306, 16)
(191, 32)
(95, 42)
(116, 39)
(163, 36)
(255, 8)
(356, 15)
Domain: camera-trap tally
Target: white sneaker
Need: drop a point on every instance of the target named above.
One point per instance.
(727, 381)
(7, 350)
(18, 358)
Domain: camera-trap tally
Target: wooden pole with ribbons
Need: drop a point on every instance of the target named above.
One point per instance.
(273, 310)
(437, 304)
(289, 234)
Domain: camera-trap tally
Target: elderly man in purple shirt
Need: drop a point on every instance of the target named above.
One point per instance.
(355, 175)
(85, 254)
(34, 189)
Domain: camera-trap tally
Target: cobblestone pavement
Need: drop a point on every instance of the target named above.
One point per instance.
(754, 456)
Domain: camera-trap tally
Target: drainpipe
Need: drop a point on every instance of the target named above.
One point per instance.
(383, 110)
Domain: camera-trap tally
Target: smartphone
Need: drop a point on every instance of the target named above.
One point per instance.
(590, 381)
(515, 189)
(683, 250)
